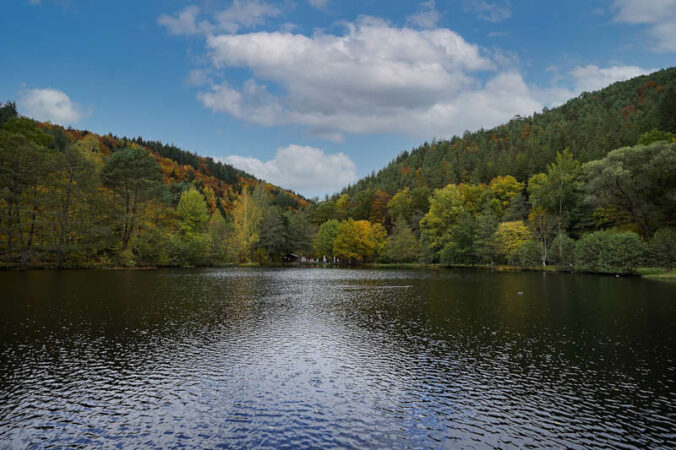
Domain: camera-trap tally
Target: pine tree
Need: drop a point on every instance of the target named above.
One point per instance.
(402, 245)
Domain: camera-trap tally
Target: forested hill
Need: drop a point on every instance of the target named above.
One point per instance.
(71, 198)
(590, 126)
(181, 168)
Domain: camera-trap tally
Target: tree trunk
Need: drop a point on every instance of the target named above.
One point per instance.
(65, 219)
(26, 253)
(10, 230)
(125, 232)
(544, 253)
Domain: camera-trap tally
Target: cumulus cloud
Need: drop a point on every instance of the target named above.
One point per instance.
(304, 169)
(427, 16)
(49, 105)
(592, 77)
(658, 15)
(490, 11)
(240, 14)
(373, 78)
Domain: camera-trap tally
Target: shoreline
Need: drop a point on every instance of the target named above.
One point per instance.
(651, 273)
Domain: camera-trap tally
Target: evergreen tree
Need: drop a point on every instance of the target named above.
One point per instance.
(274, 236)
(667, 111)
(402, 245)
(485, 243)
(134, 176)
(7, 111)
(73, 177)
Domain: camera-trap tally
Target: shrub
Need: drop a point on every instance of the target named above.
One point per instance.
(453, 253)
(150, 249)
(663, 248)
(526, 254)
(261, 256)
(562, 250)
(190, 249)
(609, 251)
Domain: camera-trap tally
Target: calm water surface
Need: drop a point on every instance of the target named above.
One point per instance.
(327, 357)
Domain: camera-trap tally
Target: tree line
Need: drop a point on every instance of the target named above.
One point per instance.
(589, 186)
(607, 215)
(75, 199)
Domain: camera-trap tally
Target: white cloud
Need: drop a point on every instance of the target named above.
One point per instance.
(307, 170)
(245, 14)
(49, 105)
(318, 4)
(658, 15)
(490, 11)
(185, 21)
(427, 15)
(591, 77)
(374, 78)
(240, 14)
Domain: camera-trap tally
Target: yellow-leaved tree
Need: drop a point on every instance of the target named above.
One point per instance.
(359, 241)
(510, 235)
(247, 216)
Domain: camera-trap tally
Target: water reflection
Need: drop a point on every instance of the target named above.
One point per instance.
(302, 357)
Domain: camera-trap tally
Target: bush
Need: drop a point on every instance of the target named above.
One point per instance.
(149, 249)
(526, 254)
(453, 253)
(610, 251)
(663, 248)
(261, 257)
(562, 251)
(190, 249)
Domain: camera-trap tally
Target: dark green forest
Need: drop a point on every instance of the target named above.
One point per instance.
(589, 126)
(589, 185)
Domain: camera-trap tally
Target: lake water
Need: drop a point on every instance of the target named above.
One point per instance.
(335, 358)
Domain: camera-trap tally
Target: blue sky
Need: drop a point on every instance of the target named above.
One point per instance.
(312, 94)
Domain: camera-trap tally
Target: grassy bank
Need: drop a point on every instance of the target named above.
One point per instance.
(657, 273)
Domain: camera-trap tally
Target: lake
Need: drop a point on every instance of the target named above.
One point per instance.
(304, 357)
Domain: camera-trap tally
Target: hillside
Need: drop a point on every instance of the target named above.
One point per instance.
(589, 126)
(590, 184)
(181, 168)
(72, 198)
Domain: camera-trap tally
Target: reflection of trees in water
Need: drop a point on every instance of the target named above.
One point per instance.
(421, 354)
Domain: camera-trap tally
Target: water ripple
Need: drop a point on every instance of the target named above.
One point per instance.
(335, 358)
